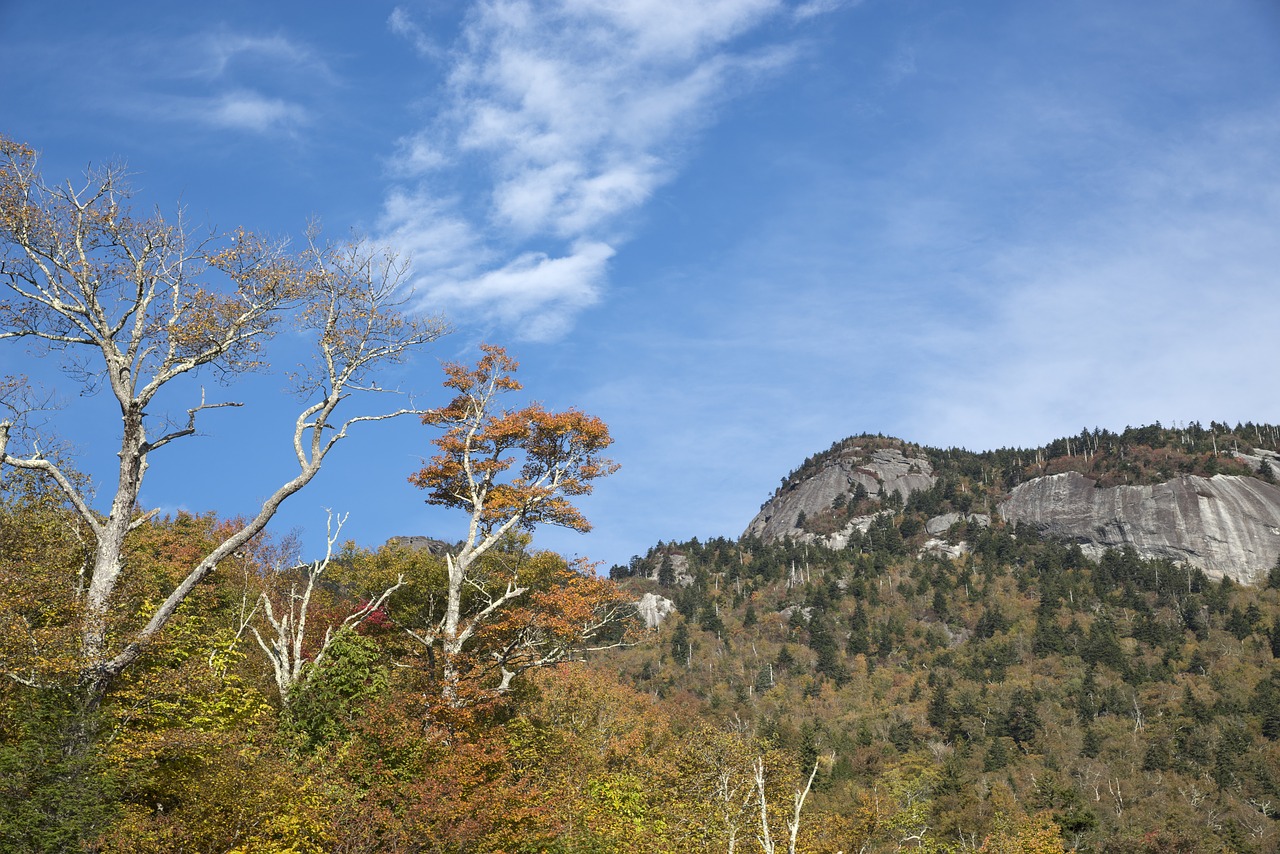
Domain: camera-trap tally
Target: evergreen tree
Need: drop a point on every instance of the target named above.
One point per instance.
(997, 756)
(667, 571)
(709, 618)
(1091, 743)
(822, 642)
(1020, 720)
(785, 661)
(1102, 646)
(1048, 639)
(859, 639)
(938, 712)
(680, 647)
(1273, 576)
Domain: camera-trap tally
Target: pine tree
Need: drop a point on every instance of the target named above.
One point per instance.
(667, 571)
(680, 647)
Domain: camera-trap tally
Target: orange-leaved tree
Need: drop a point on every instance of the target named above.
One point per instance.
(509, 470)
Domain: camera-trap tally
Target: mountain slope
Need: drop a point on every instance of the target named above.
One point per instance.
(1206, 497)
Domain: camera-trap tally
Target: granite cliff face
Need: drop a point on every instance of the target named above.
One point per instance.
(879, 471)
(1226, 525)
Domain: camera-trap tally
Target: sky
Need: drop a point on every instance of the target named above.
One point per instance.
(736, 230)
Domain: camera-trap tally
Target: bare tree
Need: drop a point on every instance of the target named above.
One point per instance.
(765, 836)
(288, 614)
(140, 307)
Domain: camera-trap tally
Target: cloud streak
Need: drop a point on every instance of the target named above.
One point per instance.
(227, 80)
(1133, 312)
(565, 119)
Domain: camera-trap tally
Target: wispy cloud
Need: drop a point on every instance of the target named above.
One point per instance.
(244, 110)
(221, 51)
(402, 24)
(227, 80)
(813, 8)
(570, 115)
(1131, 311)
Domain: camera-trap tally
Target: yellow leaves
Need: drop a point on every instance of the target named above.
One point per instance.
(41, 551)
(1027, 835)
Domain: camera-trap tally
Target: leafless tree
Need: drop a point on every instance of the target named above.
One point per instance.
(143, 306)
(765, 837)
(287, 615)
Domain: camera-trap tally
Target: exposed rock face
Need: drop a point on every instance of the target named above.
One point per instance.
(653, 609)
(941, 524)
(942, 548)
(679, 569)
(417, 543)
(880, 472)
(1226, 525)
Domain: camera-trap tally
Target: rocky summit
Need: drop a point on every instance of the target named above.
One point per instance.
(1215, 507)
(879, 472)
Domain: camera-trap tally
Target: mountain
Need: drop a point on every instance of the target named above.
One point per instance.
(951, 662)
(1204, 497)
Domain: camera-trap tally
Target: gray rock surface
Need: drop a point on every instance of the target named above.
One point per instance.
(944, 549)
(941, 524)
(880, 472)
(417, 543)
(679, 570)
(1226, 525)
(653, 609)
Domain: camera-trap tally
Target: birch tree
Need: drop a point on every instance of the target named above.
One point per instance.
(144, 307)
(559, 456)
(801, 794)
(294, 656)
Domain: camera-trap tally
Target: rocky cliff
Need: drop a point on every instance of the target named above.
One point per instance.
(1226, 525)
(879, 472)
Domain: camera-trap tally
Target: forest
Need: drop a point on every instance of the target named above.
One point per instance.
(192, 682)
(1019, 698)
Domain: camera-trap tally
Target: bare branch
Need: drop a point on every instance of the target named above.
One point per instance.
(139, 304)
(190, 429)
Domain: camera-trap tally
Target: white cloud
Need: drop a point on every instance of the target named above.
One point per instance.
(572, 114)
(245, 110)
(535, 294)
(814, 8)
(224, 48)
(442, 243)
(401, 23)
(416, 156)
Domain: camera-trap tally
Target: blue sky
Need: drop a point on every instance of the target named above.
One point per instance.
(737, 230)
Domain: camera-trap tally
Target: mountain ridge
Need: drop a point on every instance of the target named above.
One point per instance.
(1206, 497)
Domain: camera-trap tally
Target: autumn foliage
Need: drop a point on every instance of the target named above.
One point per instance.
(558, 454)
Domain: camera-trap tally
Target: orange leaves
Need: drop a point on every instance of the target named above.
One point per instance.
(559, 454)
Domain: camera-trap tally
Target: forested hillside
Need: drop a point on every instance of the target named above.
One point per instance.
(1134, 703)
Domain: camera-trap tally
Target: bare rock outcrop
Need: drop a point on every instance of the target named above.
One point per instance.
(941, 524)
(879, 471)
(1225, 524)
(679, 569)
(418, 543)
(653, 609)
